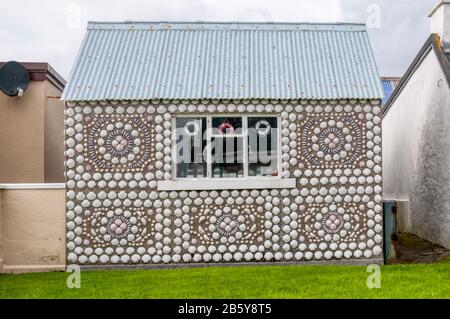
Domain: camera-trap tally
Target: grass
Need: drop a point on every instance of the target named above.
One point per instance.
(260, 282)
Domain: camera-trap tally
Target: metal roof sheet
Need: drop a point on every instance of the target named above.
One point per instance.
(143, 60)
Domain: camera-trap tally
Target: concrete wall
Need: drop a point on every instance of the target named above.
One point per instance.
(54, 136)
(1, 234)
(416, 151)
(31, 135)
(32, 227)
(22, 136)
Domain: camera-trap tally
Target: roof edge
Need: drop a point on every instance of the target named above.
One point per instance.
(437, 6)
(40, 71)
(207, 25)
(226, 100)
(432, 43)
(390, 78)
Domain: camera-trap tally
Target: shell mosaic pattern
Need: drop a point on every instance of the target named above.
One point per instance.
(119, 227)
(118, 143)
(226, 224)
(333, 222)
(116, 215)
(333, 140)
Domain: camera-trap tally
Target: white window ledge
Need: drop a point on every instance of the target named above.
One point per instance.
(219, 184)
(33, 186)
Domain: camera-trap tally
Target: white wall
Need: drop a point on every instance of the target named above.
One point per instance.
(416, 151)
(440, 22)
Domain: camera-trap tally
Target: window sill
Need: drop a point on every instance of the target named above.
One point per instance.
(221, 184)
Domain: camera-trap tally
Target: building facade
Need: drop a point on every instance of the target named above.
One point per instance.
(32, 221)
(314, 89)
(416, 146)
(389, 84)
(31, 126)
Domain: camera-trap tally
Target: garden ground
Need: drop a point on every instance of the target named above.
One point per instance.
(397, 281)
(422, 270)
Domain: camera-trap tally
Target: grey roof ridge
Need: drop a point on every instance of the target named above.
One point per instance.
(232, 25)
(224, 22)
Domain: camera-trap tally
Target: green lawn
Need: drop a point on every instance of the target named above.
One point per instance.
(397, 281)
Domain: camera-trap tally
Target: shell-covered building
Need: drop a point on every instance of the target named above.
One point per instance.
(313, 88)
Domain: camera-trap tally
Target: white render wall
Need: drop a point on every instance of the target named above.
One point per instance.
(416, 151)
(440, 22)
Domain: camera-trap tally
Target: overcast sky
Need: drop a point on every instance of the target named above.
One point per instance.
(51, 31)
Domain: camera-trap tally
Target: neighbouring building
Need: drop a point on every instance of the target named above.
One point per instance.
(389, 84)
(416, 143)
(32, 221)
(314, 89)
(31, 143)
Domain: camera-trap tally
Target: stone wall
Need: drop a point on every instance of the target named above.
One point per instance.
(333, 213)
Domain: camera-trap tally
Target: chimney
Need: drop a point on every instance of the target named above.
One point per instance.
(440, 22)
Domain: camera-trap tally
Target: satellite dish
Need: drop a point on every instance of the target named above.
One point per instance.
(14, 79)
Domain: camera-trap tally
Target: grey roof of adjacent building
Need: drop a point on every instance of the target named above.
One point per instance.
(433, 43)
(162, 60)
(389, 84)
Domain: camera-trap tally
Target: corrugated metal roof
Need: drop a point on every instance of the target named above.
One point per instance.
(143, 60)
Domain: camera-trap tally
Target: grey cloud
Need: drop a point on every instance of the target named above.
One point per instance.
(404, 28)
(39, 31)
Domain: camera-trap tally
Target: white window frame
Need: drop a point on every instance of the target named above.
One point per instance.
(244, 135)
(237, 183)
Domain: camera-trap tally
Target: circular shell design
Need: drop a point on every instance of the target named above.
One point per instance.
(118, 143)
(227, 225)
(332, 141)
(118, 226)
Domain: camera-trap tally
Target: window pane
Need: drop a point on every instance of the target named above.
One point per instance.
(262, 146)
(227, 157)
(191, 145)
(227, 125)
